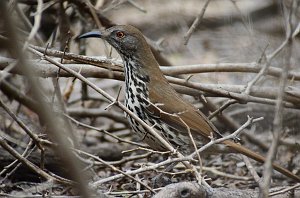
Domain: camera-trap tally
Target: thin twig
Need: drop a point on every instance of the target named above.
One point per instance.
(284, 190)
(140, 170)
(32, 135)
(196, 23)
(278, 118)
(251, 169)
(231, 136)
(103, 131)
(16, 163)
(115, 169)
(32, 166)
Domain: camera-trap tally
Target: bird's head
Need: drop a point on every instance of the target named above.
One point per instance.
(127, 40)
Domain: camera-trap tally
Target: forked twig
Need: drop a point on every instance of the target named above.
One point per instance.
(196, 23)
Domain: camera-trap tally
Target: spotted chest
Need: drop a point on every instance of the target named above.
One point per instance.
(136, 100)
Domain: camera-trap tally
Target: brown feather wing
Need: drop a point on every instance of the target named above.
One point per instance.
(171, 109)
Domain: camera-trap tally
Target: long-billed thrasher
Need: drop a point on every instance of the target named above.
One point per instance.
(153, 99)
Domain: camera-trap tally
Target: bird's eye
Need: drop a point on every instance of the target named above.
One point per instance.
(120, 34)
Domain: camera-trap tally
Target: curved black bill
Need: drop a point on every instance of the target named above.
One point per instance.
(95, 34)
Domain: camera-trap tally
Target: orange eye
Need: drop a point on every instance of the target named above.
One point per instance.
(120, 34)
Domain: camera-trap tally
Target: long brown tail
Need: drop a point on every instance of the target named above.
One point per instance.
(260, 158)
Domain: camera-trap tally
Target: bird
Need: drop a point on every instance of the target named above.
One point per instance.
(149, 95)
